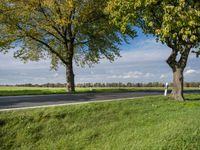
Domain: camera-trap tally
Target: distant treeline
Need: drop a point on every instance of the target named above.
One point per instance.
(150, 84)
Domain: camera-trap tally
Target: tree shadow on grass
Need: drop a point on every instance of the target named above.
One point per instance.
(195, 97)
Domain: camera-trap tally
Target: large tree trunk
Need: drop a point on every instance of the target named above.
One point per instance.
(177, 91)
(69, 67)
(70, 77)
(178, 69)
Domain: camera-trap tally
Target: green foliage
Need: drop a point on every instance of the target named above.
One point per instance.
(174, 22)
(144, 123)
(6, 38)
(58, 29)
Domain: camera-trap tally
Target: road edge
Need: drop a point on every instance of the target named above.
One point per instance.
(76, 103)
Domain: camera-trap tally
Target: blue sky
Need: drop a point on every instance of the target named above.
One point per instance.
(143, 60)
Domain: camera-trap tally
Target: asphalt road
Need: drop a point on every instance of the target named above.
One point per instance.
(41, 100)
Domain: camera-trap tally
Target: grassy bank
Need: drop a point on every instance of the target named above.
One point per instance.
(11, 91)
(145, 123)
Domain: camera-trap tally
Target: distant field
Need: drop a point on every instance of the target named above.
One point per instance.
(139, 124)
(13, 91)
(7, 91)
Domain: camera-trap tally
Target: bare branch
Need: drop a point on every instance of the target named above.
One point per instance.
(81, 43)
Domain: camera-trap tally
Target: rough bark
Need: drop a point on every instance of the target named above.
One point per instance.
(178, 69)
(177, 91)
(69, 67)
(70, 77)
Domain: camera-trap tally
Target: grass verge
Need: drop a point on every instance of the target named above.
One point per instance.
(144, 123)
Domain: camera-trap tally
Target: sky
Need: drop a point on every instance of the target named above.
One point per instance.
(143, 60)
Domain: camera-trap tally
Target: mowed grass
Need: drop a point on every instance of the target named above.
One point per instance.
(143, 124)
(8, 91)
(13, 91)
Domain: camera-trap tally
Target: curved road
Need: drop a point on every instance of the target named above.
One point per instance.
(41, 100)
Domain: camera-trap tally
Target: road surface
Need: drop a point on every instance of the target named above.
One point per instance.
(41, 100)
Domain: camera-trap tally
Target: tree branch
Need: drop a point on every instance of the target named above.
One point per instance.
(172, 59)
(49, 47)
(184, 57)
(81, 43)
(43, 43)
(50, 20)
(197, 53)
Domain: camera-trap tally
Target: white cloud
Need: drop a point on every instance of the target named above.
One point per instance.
(55, 74)
(144, 55)
(142, 61)
(191, 72)
(8, 62)
(149, 75)
(162, 76)
(131, 75)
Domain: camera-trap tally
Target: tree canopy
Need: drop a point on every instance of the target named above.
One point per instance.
(63, 30)
(45, 27)
(175, 23)
(168, 20)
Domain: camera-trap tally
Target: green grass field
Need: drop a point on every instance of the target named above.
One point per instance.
(143, 124)
(11, 91)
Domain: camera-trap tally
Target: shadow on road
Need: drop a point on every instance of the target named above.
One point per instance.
(38, 100)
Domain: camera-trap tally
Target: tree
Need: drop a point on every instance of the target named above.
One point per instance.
(175, 23)
(197, 53)
(62, 30)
